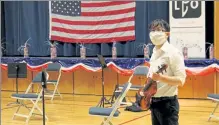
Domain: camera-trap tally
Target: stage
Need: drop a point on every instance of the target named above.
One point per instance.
(202, 75)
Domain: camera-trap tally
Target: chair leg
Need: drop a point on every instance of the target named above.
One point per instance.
(110, 123)
(30, 113)
(106, 122)
(25, 106)
(59, 93)
(18, 108)
(37, 107)
(54, 92)
(213, 112)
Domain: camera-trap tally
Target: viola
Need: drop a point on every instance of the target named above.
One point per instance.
(149, 90)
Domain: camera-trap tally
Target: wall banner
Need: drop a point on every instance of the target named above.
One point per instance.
(187, 27)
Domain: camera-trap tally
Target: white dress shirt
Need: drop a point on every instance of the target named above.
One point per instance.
(171, 56)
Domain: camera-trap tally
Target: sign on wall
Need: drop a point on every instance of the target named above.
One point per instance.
(187, 26)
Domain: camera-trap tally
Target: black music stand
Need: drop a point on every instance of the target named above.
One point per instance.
(115, 95)
(17, 70)
(111, 100)
(44, 82)
(103, 66)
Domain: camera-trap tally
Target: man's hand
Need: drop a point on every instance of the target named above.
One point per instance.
(141, 93)
(156, 77)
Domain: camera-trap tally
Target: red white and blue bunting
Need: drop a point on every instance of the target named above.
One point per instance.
(121, 66)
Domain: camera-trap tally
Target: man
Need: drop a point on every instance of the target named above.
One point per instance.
(164, 104)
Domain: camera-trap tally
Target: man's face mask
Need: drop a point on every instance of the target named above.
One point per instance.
(158, 37)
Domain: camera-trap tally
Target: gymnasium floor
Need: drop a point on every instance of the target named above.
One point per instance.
(73, 110)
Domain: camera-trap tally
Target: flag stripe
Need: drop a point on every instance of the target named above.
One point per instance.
(106, 13)
(93, 22)
(96, 40)
(93, 36)
(101, 4)
(93, 27)
(100, 18)
(69, 22)
(108, 8)
(95, 1)
(129, 28)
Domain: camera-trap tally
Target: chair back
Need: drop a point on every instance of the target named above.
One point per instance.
(38, 77)
(54, 67)
(37, 80)
(140, 71)
(122, 95)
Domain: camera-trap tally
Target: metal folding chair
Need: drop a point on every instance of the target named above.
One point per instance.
(139, 71)
(32, 97)
(109, 113)
(54, 67)
(215, 98)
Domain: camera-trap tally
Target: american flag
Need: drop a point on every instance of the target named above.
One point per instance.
(92, 21)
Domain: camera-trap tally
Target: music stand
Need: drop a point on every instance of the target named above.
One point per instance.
(17, 70)
(44, 82)
(115, 95)
(103, 66)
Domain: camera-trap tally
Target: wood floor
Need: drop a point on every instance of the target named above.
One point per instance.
(73, 110)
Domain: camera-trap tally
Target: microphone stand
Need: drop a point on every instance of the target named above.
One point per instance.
(17, 68)
(43, 100)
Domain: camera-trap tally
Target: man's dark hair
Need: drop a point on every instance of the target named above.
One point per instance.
(159, 22)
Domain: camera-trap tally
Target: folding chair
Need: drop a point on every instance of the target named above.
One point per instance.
(34, 98)
(54, 67)
(108, 113)
(139, 71)
(214, 97)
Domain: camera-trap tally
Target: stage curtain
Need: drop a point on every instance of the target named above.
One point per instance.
(30, 19)
(216, 29)
(2, 27)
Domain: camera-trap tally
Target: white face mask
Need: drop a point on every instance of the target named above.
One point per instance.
(158, 38)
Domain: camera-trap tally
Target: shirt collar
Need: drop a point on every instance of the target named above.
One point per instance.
(164, 48)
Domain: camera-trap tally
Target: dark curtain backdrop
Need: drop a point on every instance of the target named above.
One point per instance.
(30, 19)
